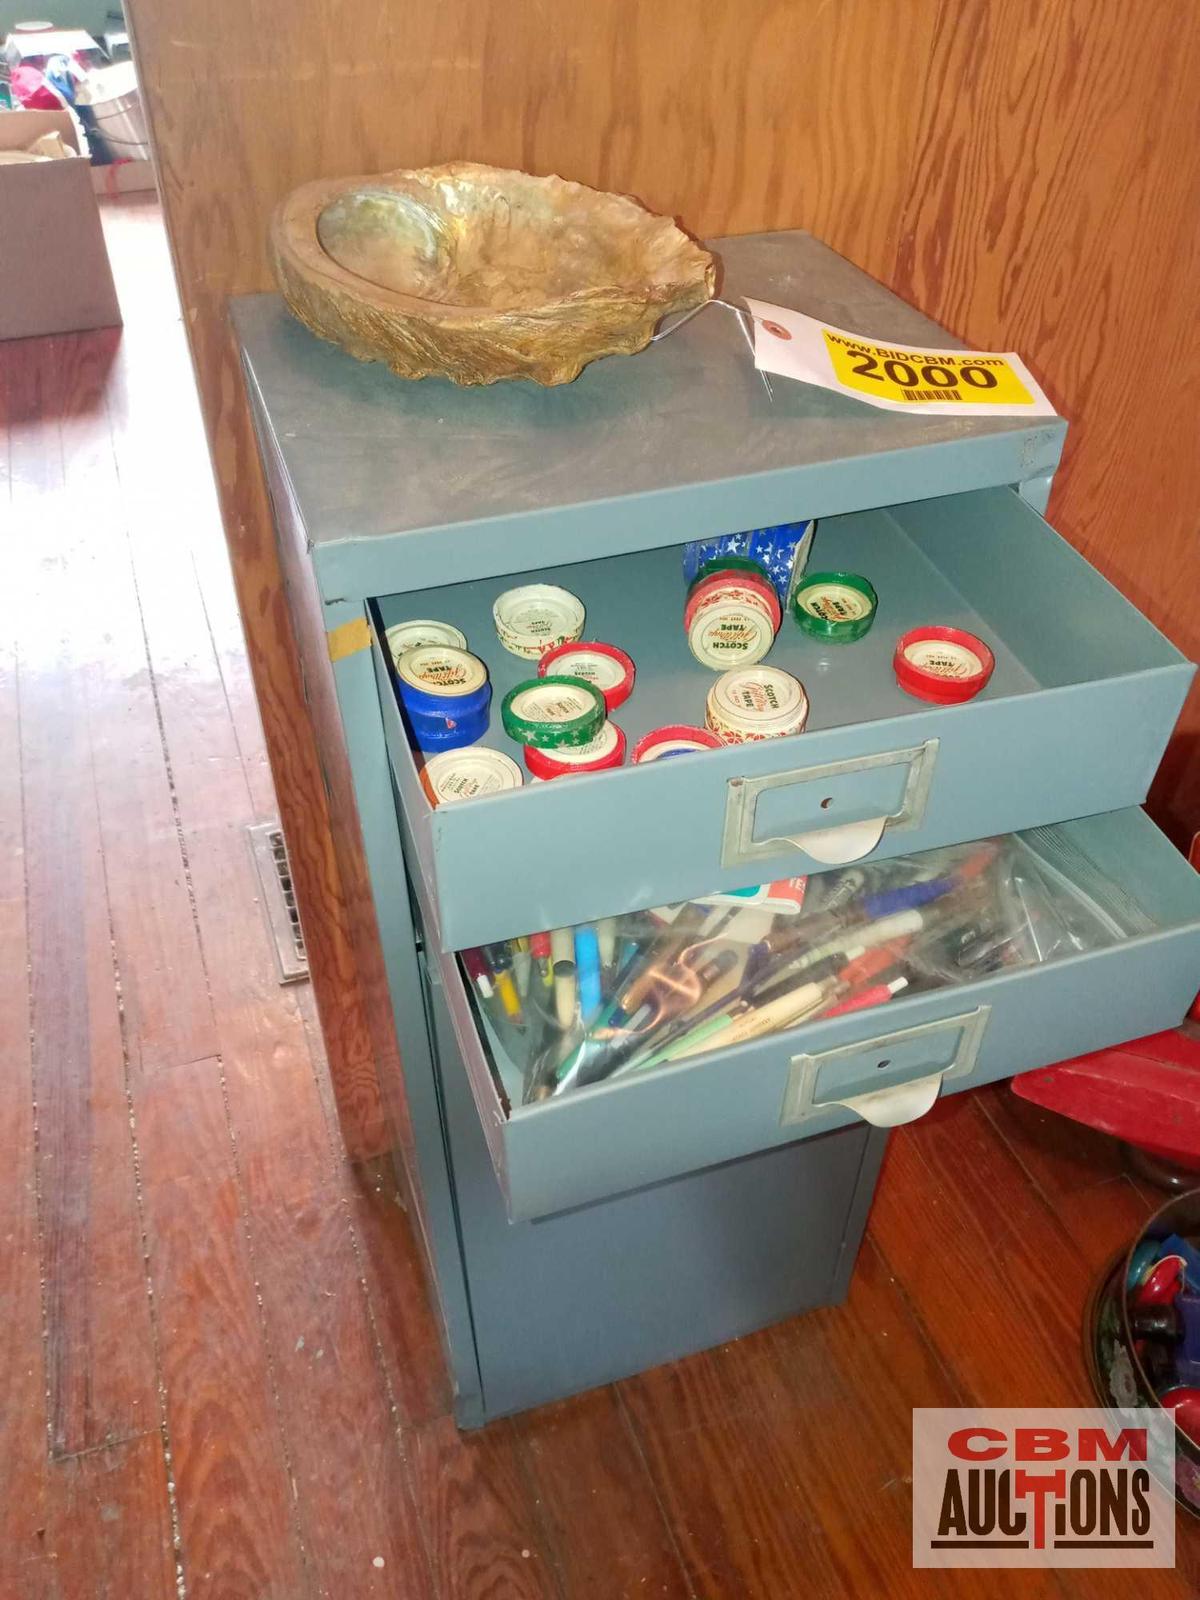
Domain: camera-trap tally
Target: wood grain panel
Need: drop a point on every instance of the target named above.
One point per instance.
(1028, 174)
(1052, 207)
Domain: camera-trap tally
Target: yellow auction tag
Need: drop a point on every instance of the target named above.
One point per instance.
(924, 376)
(892, 375)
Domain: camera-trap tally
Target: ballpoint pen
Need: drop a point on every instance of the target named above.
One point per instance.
(606, 935)
(748, 1021)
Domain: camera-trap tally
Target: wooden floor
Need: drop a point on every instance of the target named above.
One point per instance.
(219, 1377)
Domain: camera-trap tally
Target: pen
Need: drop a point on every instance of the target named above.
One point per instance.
(861, 937)
(562, 955)
(606, 935)
(751, 1021)
(743, 1020)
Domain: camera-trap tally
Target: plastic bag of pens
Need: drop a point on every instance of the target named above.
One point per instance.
(587, 1005)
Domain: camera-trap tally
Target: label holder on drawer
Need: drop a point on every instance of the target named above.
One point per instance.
(893, 1104)
(739, 847)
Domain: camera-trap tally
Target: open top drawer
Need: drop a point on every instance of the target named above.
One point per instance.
(1074, 721)
(885, 1065)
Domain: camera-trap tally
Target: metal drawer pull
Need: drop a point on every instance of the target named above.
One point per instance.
(829, 845)
(893, 1103)
(890, 1108)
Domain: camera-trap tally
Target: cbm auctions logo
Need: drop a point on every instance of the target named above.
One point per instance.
(1019, 1487)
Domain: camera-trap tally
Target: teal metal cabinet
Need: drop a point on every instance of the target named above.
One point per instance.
(576, 1240)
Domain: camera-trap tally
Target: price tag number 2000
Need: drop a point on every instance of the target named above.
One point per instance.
(915, 377)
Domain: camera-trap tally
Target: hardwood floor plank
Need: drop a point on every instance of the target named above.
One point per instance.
(405, 1320)
(168, 1019)
(729, 1478)
(1002, 1294)
(605, 1527)
(1001, 1298)
(108, 1535)
(100, 1375)
(1079, 1171)
(829, 1398)
(23, 1443)
(476, 1512)
(361, 1533)
(237, 1514)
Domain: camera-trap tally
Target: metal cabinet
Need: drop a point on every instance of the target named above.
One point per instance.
(589, 1236)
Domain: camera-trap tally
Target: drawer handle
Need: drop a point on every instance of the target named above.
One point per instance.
(890, 1108)
(832, 846)
(893, 1103)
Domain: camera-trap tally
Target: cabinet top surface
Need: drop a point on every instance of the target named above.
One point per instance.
(384, 470)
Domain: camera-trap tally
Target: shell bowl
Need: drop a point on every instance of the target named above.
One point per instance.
(475, 273)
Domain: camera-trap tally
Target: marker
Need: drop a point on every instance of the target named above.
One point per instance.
(522, 965)
(869, 965)
(879, 994)
(500, 961)
(587, 970)
(477, 971)
(539, 950)
(562, 954)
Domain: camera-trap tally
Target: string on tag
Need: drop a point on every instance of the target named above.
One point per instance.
(743, 321)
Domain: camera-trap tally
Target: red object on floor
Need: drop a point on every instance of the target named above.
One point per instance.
(1146, 1092)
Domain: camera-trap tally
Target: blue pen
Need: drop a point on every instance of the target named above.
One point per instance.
(587, 970)
(908, 898)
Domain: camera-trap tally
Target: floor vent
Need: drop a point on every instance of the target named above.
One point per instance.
(279, 899)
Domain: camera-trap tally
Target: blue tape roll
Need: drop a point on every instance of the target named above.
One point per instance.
(456, 723)
(420, 703)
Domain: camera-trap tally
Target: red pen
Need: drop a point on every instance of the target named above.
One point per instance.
(877, 995)
(871, 963)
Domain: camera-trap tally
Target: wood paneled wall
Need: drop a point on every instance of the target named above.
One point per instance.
(1027, 171)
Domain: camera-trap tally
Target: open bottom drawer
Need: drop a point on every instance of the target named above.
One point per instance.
(885, 1065)
(1083, 698)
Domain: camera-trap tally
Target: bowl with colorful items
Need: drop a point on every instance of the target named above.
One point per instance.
(1142, 1332)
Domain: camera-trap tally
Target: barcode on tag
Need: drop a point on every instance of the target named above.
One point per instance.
(929, 394)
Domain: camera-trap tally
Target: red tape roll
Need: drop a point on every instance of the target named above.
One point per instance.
(943, 665)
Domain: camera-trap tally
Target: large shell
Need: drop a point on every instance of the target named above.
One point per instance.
(475, 273)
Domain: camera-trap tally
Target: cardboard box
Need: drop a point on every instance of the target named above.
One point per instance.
(54, 271)
(123, 177)
(45, 42)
